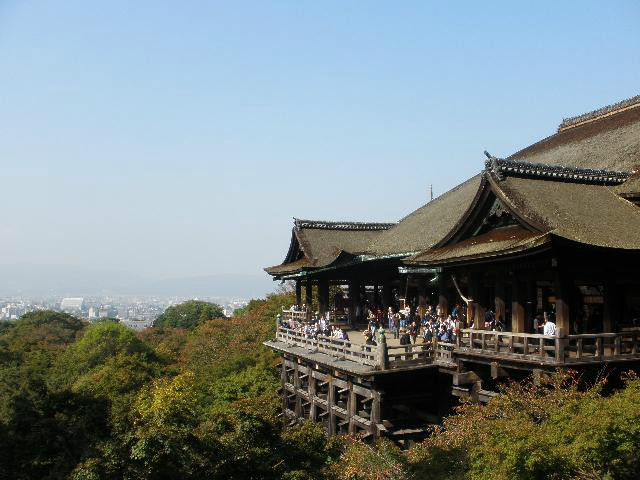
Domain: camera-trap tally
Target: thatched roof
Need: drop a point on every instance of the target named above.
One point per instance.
(607, 138)
(424, 227)
(318, 243)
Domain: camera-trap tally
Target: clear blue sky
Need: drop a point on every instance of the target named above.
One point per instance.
(174, 139)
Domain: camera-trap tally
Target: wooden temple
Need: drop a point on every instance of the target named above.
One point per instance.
(554, 228)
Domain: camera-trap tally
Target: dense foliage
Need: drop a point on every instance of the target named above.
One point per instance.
(99, 401)
(189, 314)
(555, 430)
(81, 401)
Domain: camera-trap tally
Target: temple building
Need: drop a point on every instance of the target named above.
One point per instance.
(551, 230)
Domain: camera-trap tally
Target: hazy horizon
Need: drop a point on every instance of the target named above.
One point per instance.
(176, 141)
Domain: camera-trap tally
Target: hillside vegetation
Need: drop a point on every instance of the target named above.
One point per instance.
(194, 397)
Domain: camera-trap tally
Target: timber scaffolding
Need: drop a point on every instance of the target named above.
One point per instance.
(354, 388)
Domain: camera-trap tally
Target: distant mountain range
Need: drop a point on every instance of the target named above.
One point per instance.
(73, 281)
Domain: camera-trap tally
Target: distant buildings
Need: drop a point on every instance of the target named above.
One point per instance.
(72, 304)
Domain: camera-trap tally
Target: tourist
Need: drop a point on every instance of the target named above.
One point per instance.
(404, 337)
(549, 328)
(413, 332)
(368, 338)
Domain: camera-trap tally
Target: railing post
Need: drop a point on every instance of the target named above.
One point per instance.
(525, 345)
(617, 345)
(579, 347)
(381, 352)
(599, 350)
(560, 343)
(541, 346)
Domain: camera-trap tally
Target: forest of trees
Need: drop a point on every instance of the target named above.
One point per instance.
(195, 397)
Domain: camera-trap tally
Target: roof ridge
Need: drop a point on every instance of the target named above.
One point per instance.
(593, 115)
(517, 168)
(341, 225)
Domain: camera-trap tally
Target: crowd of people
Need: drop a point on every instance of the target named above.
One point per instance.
(408, 325)
(317, 325)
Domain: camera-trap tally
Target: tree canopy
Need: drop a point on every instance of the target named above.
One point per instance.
(189, 314)
(98, 401)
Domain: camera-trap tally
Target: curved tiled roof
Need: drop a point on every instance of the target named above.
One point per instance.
(514, 168)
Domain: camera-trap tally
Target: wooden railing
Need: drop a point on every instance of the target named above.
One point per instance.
(551, 349)
(295, 315)
(335, 347)
(521, 346)
(405, 355)
(602, 346)
(380, 356)
(301, 315)
(526, 347)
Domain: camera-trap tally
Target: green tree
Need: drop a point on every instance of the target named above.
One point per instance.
(189, 314)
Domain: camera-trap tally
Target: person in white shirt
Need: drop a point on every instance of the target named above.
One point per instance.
(549, 327)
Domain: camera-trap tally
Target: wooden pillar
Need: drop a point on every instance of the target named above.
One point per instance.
(376, 412)
(351, 408)
(298, 294)
(475, 289)
(308, 298)
(443, 301)
(610, 307)
(283, 378)
(517, 306)
(422, 295)
(562, 291)
(499, 300)
(387, 296)
(323, 296)
(312, 396)
(354, 301)
(531, 304)
(296, 387)
(469, 316)
(331, 401)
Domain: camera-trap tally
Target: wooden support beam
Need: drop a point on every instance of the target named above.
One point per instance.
(443, 299)
(323, 296)
(331, 402)
(387, 296)
(311, 389)
(422, 295)
(298, 294)
(610, 307)
(308, 298)
(517, 307)
(351, 408)
(296, 386)
(354, 301)
(477, 310)
(562, 291)
(376, 412)
(500, 309)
